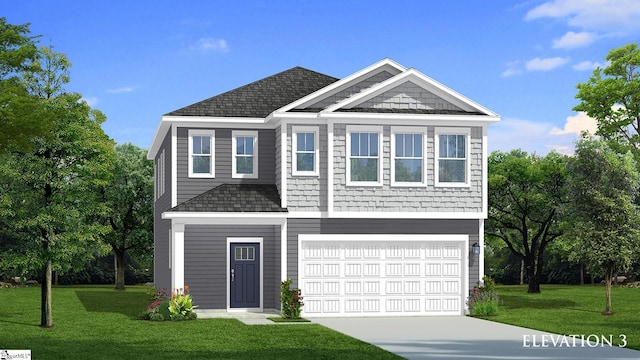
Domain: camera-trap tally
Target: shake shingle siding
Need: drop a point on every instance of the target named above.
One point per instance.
(190, 187)
(379, 226)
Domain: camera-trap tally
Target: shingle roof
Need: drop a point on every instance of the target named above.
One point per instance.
(235, 198)
(260, 98)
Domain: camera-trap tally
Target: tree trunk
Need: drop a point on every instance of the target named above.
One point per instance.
(607, 290)
(46, 319)
(119, 261)
(581, 274)
(534, 281)
(521, 272)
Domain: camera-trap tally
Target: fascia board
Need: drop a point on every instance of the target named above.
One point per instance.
(161, 132)
(421, 80)
(385, 118)
(342, 83)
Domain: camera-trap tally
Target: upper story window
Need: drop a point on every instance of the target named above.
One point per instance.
(245, 154)
(452, 156)
(407, 167)
(305, 151)
(201, 153)
(364, 146)
(160, 175)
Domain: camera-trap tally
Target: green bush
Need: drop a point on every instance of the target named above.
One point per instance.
(291, 300)
(483, 300)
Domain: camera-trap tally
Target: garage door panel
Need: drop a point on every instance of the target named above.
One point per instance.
(381, 278)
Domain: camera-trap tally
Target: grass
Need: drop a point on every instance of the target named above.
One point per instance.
(572, 310)
(95, 322)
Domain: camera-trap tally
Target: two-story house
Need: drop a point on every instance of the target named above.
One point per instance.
(370, 192)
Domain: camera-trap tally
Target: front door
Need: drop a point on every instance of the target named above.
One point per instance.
(244, 282)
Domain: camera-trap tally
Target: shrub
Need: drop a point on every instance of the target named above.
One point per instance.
(291, 300)
(483, 300)
(178, 307)
(181, 305)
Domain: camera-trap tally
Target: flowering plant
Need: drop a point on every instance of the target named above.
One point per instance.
(484, 298)
(181, 304)
(291, 300)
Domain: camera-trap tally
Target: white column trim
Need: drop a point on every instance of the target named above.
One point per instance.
(284, 164)
(174, 165)
(177, 256)
(485, 170)
(481, 243)
(330, 146)
(283, 251)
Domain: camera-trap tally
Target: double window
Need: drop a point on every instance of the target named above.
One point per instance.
(201, 153)
(364, 145)
(452, 157)
(305, 151)
(407, 166)
(245, 154)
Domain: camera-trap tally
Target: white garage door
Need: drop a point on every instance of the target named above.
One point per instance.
(383, 275)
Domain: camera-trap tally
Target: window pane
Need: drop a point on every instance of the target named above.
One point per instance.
(442, 145)
(452, 171)
(305, 162)
(364, 169)
(201, 164)
(240, 149)
(417, 145)
(408, 146)
(245, 256)
(408, 170)
(355, 144)
(461, 149)
(309, 142)
(197, 144)
(238, 253)
(251, 256)
(399, 145)
(300, 138)
(452, 142)
(373, 144)
(206, 145)
(364, 144)
(248, 143)
(244, 165)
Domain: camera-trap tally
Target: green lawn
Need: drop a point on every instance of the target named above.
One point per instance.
(572, 310)
(98, 323)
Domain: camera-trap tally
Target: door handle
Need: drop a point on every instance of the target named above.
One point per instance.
(233, 274)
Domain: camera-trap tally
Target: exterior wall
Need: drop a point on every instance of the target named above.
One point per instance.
(162, 228)
(190, 187)
(205, 263)
(408, 96)
(354, 89)
(387, 198)
(380, 226)
(278, 159)
(307, 193)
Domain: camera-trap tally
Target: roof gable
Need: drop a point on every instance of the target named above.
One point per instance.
(260, 98)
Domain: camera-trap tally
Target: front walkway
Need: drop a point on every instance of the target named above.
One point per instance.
(248, 318)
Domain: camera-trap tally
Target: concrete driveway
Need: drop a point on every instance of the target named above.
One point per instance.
(463, 337)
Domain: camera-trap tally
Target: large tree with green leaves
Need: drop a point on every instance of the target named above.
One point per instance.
(526, 196)
(612, 97)
(53, 185)
(603, 211)
(130, 198)
(21, 117)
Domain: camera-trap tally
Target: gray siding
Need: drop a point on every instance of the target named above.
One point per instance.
(307, 193)
(352, 90)
(387, 198)
(409, 96)
(190, 187)
(161, 228)
(379, 226)
(205, 263)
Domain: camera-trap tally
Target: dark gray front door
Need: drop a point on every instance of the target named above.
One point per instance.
(244, 275)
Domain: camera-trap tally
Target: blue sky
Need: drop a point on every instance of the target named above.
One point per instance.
(137, 60)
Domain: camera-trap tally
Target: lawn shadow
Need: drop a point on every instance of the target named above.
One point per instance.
(121, 302)
(532, 302)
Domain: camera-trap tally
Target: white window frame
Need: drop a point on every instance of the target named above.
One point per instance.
(439, 131)
(364, 129)
(295, 130)
(234, 136)
(212, 166)
(410, 131)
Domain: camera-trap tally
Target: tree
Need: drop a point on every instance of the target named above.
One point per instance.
(526, 195)
(612, 97)
(130, 198)
(53, 185)
(20, 116)
(605, 219)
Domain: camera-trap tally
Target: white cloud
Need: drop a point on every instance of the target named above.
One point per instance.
(121, 90)
(546, 64)
(572, 40)
(91, 100)
(530, 136)
(513, 68)
(586, 65)
(576, 124)
(602, 15)
(211, 44)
